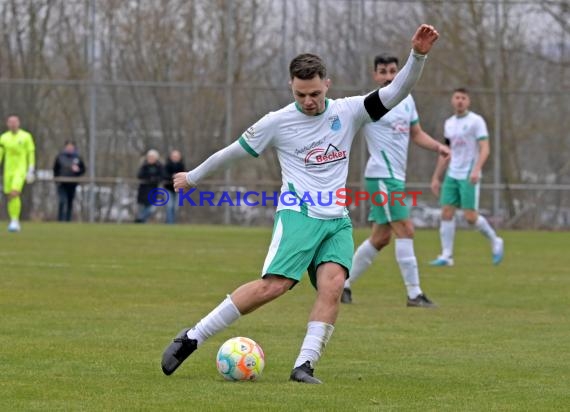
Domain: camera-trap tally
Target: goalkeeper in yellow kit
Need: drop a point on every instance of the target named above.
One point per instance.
(17, 153)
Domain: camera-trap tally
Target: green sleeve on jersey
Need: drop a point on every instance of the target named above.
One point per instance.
(414, 122)
(482, 137)
(247, 147)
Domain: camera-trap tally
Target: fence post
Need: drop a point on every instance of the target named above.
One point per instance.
(92, 110)
(496, 147)
(230, 41)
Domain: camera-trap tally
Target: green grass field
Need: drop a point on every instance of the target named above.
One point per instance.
(86, 311)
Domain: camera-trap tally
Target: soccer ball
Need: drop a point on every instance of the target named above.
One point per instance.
(240, 359)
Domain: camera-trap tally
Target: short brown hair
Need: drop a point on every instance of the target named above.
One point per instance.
(306, 66)
(462, 90)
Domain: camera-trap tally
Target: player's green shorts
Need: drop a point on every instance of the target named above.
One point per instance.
(14, 181)
(300, 243)
(385, 206)
(460, 193)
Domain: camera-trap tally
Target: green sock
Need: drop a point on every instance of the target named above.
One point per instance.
(14, 208)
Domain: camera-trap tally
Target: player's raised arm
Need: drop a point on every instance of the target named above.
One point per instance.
(380, 102)
(219, 160)
(252, 142)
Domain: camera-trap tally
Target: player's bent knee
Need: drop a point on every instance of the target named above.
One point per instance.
(447, 213)
(380, 240)
(330, 281)
(273, 286)
(471, 216)
(409, 233)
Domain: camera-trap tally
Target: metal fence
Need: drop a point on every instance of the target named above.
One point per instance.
(122, 77)
(115, 200)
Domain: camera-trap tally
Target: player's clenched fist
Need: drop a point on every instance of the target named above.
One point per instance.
(180, 182)
(424, 38)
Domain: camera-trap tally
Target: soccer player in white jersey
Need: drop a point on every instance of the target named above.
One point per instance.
(466, 133)
(388, 141)
(312, 137)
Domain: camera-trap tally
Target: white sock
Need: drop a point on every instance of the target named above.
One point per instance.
(447, 235)
(317, 337)
(485, 228)
(406, 259)
(361, 261)
(220, 318)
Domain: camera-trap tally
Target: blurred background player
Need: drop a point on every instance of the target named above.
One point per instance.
(466, 133)
(173, 165)
(17, 151)
(313, 238)
(151, 174)
(68, 164)
(388, 142)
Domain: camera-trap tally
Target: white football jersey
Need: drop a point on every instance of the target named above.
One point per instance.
(464, 133)
(313, 152)
(388, 141)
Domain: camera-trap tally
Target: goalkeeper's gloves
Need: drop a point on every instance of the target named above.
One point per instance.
(31, 175)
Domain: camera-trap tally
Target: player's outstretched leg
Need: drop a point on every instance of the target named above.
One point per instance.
(245, 299)
(406, 258)
(408, 264)
(318, 335)
(497, 244)
(361, 261)
(498, 250)
(330, 280)
(14, 209)
(177, 352)
(187, 340)
(447, 236)
(364, 256)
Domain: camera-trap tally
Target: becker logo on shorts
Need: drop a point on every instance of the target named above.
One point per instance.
(320, 156)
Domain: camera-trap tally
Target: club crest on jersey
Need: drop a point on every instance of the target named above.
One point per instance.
(335, 123)
(320, 156)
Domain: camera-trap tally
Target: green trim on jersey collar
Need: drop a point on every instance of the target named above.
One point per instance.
(463, 115)
(318, 114)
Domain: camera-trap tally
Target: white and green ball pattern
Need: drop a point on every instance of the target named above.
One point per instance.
(240, 359)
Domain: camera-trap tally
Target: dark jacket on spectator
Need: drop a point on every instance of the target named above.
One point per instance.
(62, 166)
(170, 169)
(151, 176)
